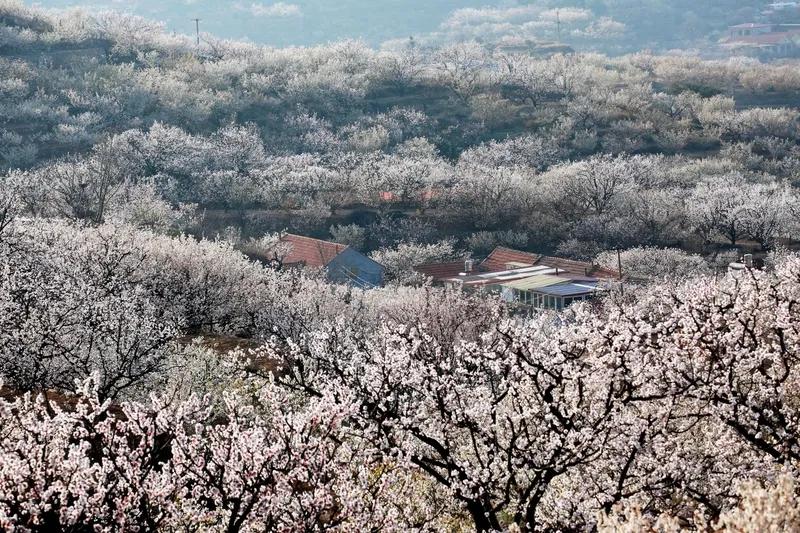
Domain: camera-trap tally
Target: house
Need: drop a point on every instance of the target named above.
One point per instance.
(532, 280)
(761, 40)
(341, 263)
(747, 263)
(780, 6)
(748, 29)
(550, 291)
(509, 262)
(782, 9)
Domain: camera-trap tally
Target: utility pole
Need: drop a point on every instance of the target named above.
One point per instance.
(558, 23)
(197, 30)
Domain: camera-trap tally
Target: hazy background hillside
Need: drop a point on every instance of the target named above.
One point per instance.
(294, 22)
(656, 24)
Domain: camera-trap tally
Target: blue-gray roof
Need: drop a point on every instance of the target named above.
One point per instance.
(568, 289)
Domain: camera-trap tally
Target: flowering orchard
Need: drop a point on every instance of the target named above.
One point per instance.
(446, 416)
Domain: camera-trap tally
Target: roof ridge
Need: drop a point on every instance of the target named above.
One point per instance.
(566, 259)
(502, 249)
(315, 239)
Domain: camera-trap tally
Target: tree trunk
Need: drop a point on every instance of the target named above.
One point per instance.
(484, 520)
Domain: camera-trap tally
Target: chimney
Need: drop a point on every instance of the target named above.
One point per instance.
(748, 260)
(469, 264)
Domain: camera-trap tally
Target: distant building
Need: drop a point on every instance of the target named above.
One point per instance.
(764, 41)
(777, 9)
(748, 29)
(533, 280)
(747, 263)
(341, 263)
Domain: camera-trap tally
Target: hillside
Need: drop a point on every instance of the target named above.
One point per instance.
(262, 139)
(513, 274)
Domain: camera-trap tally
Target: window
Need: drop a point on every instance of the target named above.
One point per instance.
(518, 295)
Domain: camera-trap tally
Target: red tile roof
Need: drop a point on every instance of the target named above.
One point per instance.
(310, 252)
(501, 256)
(578, 268)
(763, 39)
(441, 270)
